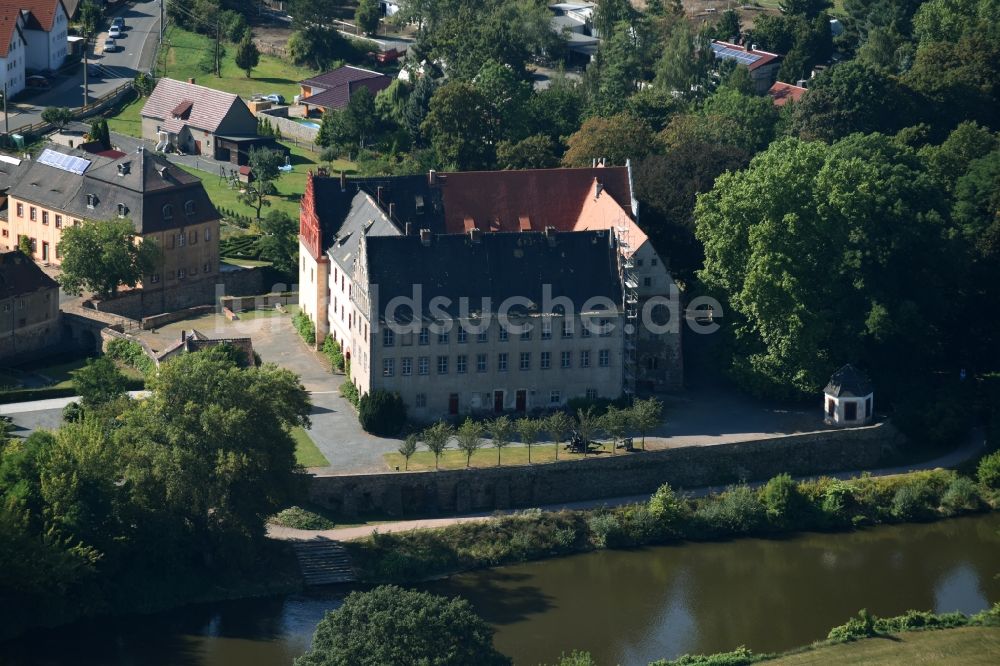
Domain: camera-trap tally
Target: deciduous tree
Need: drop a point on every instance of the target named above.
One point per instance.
(101, 256)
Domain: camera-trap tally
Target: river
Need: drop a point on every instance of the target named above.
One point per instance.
(626, 607)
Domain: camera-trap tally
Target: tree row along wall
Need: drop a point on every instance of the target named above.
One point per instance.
(487, 489)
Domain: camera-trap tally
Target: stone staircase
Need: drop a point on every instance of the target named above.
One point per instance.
(324, 562)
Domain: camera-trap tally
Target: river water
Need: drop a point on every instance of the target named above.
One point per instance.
(625, 607)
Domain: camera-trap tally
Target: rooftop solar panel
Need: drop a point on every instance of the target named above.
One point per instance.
(71, 163)
(739, 55)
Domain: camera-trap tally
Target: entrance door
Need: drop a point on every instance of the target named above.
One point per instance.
(851, 411)
(453, 403)
(45, 252)
(521, 400)
(497, 401)
(197, 147)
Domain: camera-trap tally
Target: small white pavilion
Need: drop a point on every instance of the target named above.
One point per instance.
(848, 398)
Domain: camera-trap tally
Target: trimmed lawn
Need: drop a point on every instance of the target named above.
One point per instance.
(971, 646)
(453, 458)
(128, 121)
(290, 185)
(61, 374)
(306, 453)
(272, 75)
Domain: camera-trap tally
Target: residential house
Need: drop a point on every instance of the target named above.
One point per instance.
(168, 206)
(763, 65)
(334, 89)
(339, 215)
(783, 93)
(188, 118)
(45, 29)
(13, 48)
(29, 307)
(574, 21)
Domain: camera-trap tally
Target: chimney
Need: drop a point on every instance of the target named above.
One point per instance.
(408, 229)
(343, 181)
(432, 177)
(749, 45)
(425, 237)
(801, 83)
(475, 235)
(191, 80)
(550, 235)
(392, 210)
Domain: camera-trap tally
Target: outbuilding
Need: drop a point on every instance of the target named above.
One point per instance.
(848, 398)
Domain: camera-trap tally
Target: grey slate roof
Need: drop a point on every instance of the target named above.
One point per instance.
(848, 382)
(364, 218)
(403, 192)
(578, 265)
(339, 84)
(20, 275)
(142, 189)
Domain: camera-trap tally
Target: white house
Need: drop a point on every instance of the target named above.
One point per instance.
(45, 25)
(13, 52)
(848, 398)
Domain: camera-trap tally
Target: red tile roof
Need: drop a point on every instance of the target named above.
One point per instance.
(338, 85)
(782, 93)
(43, 12)
(529, 199)
(209, 108)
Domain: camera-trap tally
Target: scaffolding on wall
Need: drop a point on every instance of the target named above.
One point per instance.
(630, 307)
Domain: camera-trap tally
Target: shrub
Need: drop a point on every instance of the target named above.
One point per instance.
(961, 495)
(332, 351)
(605, 530)
(72, 412)
(741, 656)
(131, 354)
(784, 503)
(838, 503)
(669, 509)
(350, 391)
(988, 472)
(862, 626)
(302, 519)
(736, 511)
(304, 325)
(914, 501)
(382, 413)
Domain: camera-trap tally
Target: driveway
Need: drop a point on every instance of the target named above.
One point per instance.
(142, 20)
(335, 428)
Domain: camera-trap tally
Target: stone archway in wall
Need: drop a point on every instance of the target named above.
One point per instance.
(88, 341)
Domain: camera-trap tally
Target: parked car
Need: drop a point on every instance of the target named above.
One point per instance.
(118, 22)
(110, 45)
(115, 32)
(37, 81)
(274, 98)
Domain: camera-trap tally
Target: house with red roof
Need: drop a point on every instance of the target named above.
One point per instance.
(783, 93)
(13, 49)
(763, 65)
(43, 27)
(333, 90)
(363, 242)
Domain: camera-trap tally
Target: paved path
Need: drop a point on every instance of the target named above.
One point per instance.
(113, 69)
(974, 446)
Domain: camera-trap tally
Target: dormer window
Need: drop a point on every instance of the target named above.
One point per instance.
(122, 210)
(189, 208)
(168, 212)
(124, 168)
(91, 200)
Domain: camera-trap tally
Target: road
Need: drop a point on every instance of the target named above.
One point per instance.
(975, 445)
(142, 21)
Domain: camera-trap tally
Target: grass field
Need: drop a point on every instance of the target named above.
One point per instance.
(61, 374)
(272, 75)
(306, 453)
(452, 458)
(970, 646)
(128, 121)
(290, 185)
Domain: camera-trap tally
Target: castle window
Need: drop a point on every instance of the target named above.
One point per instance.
(122, 210)
(168, 212)
(189, 208)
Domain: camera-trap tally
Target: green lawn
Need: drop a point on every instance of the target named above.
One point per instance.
(290, 185)
(453, 458)
(128, 121)
(970, 646)
(272, 75)
(306, 453)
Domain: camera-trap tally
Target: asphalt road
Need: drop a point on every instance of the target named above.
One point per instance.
(135, 54)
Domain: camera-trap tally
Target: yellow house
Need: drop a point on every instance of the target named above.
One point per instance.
(168, 206)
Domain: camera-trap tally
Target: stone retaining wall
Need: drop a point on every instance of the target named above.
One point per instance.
(486, 489)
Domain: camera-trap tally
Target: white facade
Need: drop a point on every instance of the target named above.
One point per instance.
(313, 277)
(12, 65)
(47, 49)
(848, 411)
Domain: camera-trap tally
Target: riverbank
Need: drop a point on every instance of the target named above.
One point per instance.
(782, 506)
(916, 636)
